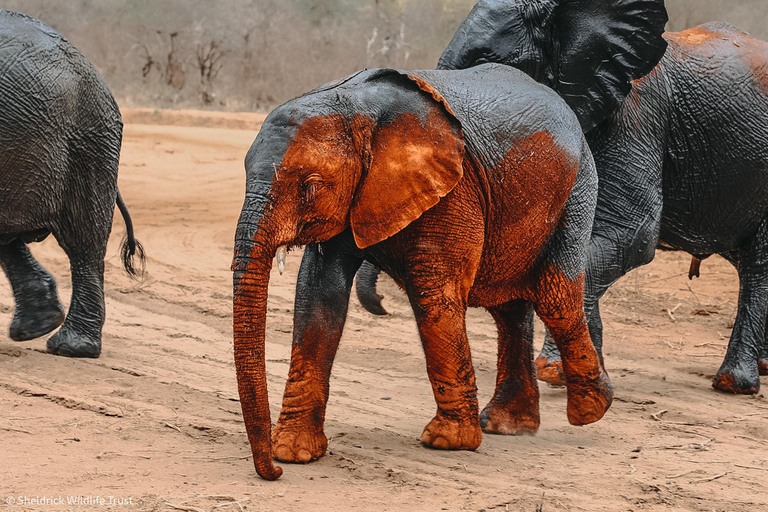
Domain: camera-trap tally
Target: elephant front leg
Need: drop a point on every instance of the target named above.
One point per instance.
(322, 298)
(560, 307)
(514, 408)
(441, 322)
(38, 310)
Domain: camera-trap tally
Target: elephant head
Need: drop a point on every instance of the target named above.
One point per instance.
(370, 153)
(589, 51)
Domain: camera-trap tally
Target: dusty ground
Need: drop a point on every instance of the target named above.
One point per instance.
(156, 418)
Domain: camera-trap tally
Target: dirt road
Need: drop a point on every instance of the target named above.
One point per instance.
(156, 419)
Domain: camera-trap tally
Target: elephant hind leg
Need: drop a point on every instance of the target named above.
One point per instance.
(613, 252)
(514, 408)
(548, 364)
(84, 239)
(762, 363)
(740, 371)
(560, 306)
(38, 310)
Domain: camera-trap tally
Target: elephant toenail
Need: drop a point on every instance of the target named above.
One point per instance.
(304, 456)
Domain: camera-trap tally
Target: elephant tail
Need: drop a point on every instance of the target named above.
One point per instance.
(131, 249)
(365, 286)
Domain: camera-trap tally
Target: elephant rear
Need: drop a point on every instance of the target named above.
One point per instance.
(59, 124)
(60, 137)
(718, 80)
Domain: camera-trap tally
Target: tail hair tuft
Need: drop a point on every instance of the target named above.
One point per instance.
(133, 257)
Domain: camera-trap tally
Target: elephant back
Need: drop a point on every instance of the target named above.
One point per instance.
(48, 85)
(505, 106)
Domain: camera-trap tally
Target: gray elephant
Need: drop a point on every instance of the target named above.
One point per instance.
(682, 164)
(60, 136)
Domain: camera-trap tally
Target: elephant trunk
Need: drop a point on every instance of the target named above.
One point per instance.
(251, 268)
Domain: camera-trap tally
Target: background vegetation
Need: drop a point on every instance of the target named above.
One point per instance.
(254, 54)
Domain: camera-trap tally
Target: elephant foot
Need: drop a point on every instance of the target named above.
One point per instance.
(450, 434)
(298, 447)
(737, 381)
(68, 343)
(550, 372)
(496, 419)
(762, 367)
(37, 313)
(30, 325)
(589, 402)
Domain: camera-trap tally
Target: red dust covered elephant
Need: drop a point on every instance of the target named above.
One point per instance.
(471, 188)
(438, 181)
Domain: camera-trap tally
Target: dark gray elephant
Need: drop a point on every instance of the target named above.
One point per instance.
(60, 136)
(683, 163)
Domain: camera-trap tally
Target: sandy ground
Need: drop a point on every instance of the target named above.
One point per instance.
(156, 419)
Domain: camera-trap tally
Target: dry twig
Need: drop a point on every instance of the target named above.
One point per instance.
(229, 504)
(750, 467)
(174, 427)
(8, 429)
(751, 439)
(186, 508)
(672, 477)
(710, 479)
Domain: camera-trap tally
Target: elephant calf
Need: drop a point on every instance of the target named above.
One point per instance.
(60, 136)
(470, 188)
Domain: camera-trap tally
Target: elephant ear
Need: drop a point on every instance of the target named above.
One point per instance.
(603, 46)
(413, 158)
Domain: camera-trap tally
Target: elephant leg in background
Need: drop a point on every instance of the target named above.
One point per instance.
(514, 408)
(624, 236)
(763, 363)
(322, 298)
(739, 372)
(83, 236)
(38, 310)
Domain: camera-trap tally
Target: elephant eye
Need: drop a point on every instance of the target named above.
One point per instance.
(309, 189)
